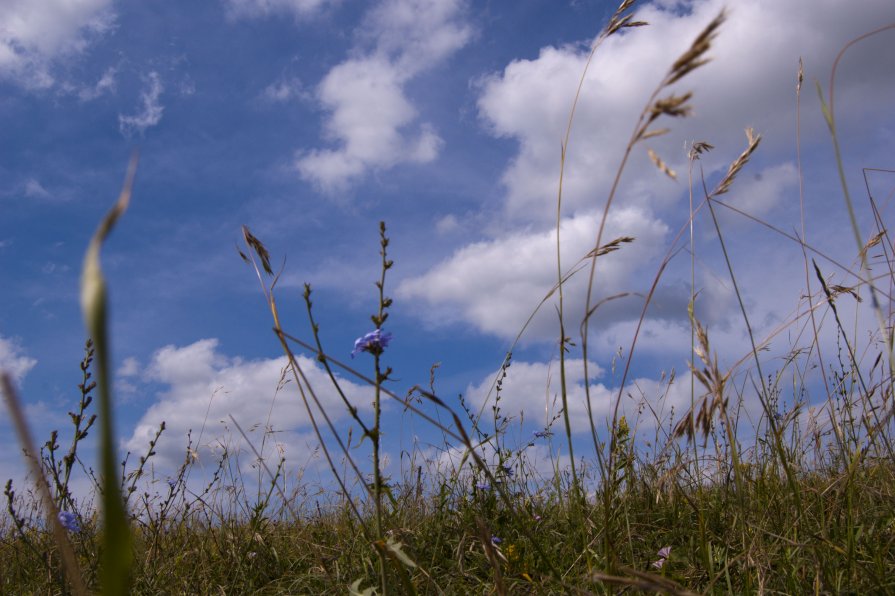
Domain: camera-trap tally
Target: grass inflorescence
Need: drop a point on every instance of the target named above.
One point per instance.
(709, 501)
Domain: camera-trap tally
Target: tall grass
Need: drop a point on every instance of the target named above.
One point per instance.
(797, 501)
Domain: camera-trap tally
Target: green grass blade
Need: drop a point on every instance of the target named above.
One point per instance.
(117, 553)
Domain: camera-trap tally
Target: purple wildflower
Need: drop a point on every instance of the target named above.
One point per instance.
(374, 342)
(664, 553)
(508, 470)
(69, 521)
(495, 540)
(483, 486)
(540, 434)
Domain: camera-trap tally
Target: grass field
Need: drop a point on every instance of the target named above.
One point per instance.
(711, 501)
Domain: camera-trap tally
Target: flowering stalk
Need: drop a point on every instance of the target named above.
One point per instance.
(374, 343)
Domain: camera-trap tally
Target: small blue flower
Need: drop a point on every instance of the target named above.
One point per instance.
(508, 470)
(374, 342)
(172, 482)
(483, 486)
(540, 434)
(495, 540)
(69, 521)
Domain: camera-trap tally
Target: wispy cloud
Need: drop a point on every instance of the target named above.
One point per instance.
(369, 115)
(150, 110)
(34, 189)
(285, 89)
(14, 360)
(106, 84)
(300, 9)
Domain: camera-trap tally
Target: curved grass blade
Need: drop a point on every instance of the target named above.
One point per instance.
(117, 553)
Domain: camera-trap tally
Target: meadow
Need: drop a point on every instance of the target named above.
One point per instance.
(710, 500)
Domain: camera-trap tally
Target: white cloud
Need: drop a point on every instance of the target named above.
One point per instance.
(150, 111)
(760, 192)
(13, 359)
(496, 284)
(416, 34)
(300, 9)
(533, 389)
(130, 367)
(447, 224)
(34, 34)
(34, 189)
(369, 116)
(285, 89)
(750, 82)
(205, 387)
(106, 84)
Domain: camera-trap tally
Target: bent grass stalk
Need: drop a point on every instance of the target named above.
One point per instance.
(118, 541)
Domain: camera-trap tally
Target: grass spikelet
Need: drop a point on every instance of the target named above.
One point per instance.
(752, 144)
(661, 165)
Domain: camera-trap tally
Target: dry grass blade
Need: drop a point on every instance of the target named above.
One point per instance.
(610, 246)
(693, 58)
(877, 238)
(69, 560)
(698, 148)
(620, 20)
(739, 162)
(492, 553)
(259, 249)
(675, 106)
(647, 582)
(661, 165)
(711, 378)
(837, 290)
(654, 133)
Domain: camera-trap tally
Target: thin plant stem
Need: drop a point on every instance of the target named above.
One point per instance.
(69, 560)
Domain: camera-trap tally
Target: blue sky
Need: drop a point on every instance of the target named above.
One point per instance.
(312, 120)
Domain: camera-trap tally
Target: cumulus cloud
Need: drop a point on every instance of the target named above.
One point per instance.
(300, 9)
(496, 284)
(493, 284)
(758, 194)
(370, 119)
(35, 35)
(13, 359)
(205, 387)
(150, 111)
(533, 389)
(750, 82)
